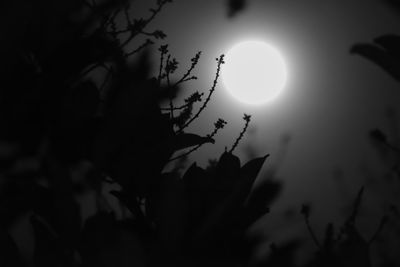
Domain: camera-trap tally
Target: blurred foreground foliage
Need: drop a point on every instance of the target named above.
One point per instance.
(80, 114)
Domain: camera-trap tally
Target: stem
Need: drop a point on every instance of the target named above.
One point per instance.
(194, 148)
(220, 62)
(240, 135)
(145, 23)
(314, 237)
(377, 232)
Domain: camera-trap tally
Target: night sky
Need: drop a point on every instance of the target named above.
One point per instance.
(332, 99)
(331, 102)
(316, 131)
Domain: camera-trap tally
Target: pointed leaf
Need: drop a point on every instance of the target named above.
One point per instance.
(259, 201)
(195, 179)
(198, 184)
(380, 57)
(219, 221)
(227, 175)
(248, 174)
(171, 214)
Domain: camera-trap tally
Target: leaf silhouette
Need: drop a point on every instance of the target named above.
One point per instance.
(384, 53)
(9, 256)
(259, 201)
(235, 6)
(390, 42)
(197, 186)
(107, 242)
(226, 176)
(171, 216)
(82, 102)
(248, 174)
(283, 255)
(220, 221)
(49, 250)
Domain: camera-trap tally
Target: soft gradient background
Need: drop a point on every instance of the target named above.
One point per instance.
(317, 129)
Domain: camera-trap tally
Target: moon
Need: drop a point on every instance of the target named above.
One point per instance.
(255, 72)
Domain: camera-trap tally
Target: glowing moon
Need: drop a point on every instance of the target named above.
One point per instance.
(254, 73)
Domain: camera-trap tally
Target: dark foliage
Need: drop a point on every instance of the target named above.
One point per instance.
(73, 92)
(235, 6)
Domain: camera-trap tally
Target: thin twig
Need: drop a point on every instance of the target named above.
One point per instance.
(314, 237)
(142, 46)
(220, 61)
(177, 108)
(305, 210)
(184, 78)
(247, 119)
(171, 104)
(164, 50)
(356, 207)
(145, 23)
(377, 232)
(218, 125)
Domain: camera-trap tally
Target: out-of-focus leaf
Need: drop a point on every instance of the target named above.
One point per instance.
(378, 135)
(219, 220)
(235, 6)
(195, 179)
(265, 192)
(283, 255)
(354, 251)
(9, 254)
(329, 238)
(226, 176)
(395, 4)
(107, 242)
(384, 53)
(136, 139)
(198, 184)
(130, 201)
(166, 93)
(63, 212)
(390, 42)
(82, 101)
(260, 199)
(171, 216)
(49, 251)
(186, 140)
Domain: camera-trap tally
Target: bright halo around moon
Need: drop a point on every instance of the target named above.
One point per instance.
(254, 73)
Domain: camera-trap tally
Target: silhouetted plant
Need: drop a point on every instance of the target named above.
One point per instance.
(74, 98)
(384, 51)
(348, 248)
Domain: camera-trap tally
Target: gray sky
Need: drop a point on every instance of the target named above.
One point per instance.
(331, 102)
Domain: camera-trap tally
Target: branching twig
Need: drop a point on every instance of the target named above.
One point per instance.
(164, 50)
(220, 61)
(142, 46)
(186, 77)
(217, 126)
(134, 32)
